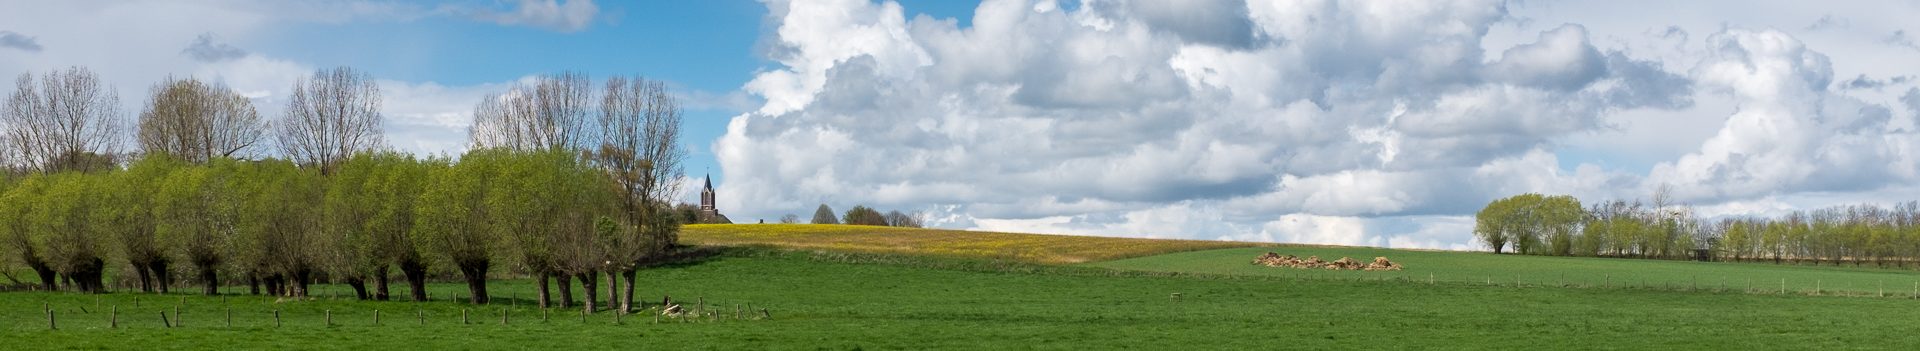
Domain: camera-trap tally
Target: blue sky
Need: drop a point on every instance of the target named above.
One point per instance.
(1313, 121)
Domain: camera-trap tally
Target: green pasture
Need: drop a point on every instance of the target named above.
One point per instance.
(1506, 269)
(819, 300)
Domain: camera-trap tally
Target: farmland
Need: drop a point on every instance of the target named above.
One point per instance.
(835, 299)
(1034, 248)
(1482, 268)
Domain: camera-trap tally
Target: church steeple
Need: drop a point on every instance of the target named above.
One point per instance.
(706, 197)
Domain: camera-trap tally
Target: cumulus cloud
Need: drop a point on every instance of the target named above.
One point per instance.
(1790, 133)
(1901, 39)
(9, 39)
(556, 15)
(205, 49)
(1273, 121)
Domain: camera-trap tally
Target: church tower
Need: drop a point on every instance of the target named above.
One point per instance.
(706, 197)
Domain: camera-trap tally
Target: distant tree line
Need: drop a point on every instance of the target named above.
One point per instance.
(1537, 224)
(860, 215)
(545, 191)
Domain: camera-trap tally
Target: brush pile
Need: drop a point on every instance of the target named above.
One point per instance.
(1272, 259)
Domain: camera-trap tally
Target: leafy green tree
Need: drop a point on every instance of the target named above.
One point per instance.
(824, 215)
(451, 222)
(20, 228)
(391, 191)
(127, 211)
(194, 221)
(862, 215)
(66, 217)
(278, 223)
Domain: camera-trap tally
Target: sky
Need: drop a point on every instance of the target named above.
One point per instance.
(1373, 123)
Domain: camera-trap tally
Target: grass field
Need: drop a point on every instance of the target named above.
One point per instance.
(1034, 248)
(1475, 267)
(844, 296)
(847, 302)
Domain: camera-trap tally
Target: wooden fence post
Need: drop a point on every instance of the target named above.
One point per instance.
(329, 318)
(503, 316)
(276, 318)
(164, 321)
(376, 317)
(113, 317)
(463, 316)
(51, 325)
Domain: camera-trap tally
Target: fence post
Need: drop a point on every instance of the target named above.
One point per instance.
(376, 317)
(463, 316)
(329, 318)
(1429, 278)
(420, 315)
(229, 317)
(176, 313)
(503, 316)
(276, 318)
(51, 325)
(164, 321)
(113, 318)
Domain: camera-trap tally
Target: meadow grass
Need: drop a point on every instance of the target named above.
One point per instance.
(1506, 269)
(1037, 248)
(831, 301)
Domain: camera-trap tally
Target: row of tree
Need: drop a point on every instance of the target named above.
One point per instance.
(860, 215)
(547, 190)
(1537, 224)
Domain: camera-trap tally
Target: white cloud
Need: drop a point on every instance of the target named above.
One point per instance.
(557, 15)
(17, 41)
(1359, 123)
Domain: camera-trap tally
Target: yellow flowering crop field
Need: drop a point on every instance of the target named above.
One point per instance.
(1034, 248)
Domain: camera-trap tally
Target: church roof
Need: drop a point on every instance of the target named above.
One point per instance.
(709, 181)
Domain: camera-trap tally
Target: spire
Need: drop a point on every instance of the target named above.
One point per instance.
(709, 181)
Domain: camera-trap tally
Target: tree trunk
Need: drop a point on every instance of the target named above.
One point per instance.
(47, 278)
(544, 295)
(416, 274)
(302, 279)
(566, 290)
(164, 278)
(590, 282)
(359, 288)
(613, 291)
(626, 298)
(210, 277)
(476, 274)
(253, 284)
(380, 283)
(146, 277)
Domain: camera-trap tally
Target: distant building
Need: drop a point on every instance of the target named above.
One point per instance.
(709, 214)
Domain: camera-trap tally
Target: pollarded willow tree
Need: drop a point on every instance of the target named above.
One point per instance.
(369, 217)
(640, 150)
(330, 116)
(65, 222)
(451, 220)
(128, 212)
(197, 122)
(195, 218)
(278, 228)
(24, 239)
(68, 121)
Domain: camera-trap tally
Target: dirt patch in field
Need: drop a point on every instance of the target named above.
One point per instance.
(1274, 259)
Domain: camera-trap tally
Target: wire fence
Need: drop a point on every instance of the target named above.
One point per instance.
(166, 312)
